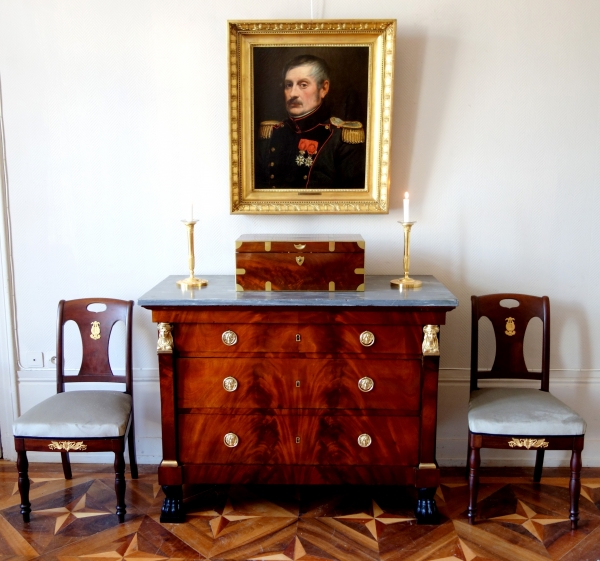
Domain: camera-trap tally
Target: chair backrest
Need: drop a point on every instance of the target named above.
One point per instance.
(95, 329)
(509, 329)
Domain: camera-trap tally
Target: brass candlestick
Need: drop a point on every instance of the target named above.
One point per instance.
(406, 281)
(191, 281)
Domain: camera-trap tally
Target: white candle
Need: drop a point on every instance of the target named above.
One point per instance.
(405, 207)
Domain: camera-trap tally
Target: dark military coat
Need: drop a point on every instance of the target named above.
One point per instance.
(311, 152)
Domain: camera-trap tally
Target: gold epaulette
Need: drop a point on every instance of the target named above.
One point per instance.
(352, 131)
(266, 128)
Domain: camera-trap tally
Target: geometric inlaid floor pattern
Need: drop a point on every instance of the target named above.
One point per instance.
(518, 520)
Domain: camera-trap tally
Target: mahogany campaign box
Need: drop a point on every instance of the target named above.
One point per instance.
(319, 262)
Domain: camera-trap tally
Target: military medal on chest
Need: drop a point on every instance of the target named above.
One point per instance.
(307, 151)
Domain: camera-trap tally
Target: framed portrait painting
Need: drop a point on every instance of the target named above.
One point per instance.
(310, 116)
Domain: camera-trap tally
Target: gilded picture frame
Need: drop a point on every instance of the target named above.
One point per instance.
(274, 168)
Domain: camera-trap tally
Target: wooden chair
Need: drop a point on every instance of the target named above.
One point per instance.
(88, 420)
(518, 418)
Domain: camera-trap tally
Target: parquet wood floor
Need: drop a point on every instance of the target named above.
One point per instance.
(75, 520)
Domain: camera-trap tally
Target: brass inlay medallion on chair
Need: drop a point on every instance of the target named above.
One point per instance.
(67, 445)
(366, 384)
(367, 338)
(95, 330)
(431, 345)
(231, 440)
(230, 384)
(528, 443)
(165, 338)
(510, 327)
(229, 338)
(364, 441)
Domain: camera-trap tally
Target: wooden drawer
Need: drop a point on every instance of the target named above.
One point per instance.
(207, 337)
(263, 439)
(261, 383)
(339, 338)
(334, 384)
(302, 440)
(333, 440)
(299, 383)
(327, 338)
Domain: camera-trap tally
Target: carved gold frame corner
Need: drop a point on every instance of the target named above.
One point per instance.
(380, 37)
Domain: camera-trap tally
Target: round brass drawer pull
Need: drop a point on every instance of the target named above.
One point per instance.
(364, 441)
(229, 338)
(366, 384)
(230, 384)
(367, 338)
(231, 440)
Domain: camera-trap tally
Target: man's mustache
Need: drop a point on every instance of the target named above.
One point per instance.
(293, 101)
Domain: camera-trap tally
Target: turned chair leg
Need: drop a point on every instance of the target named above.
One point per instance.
(474, 463)
(120, 485)
(539, 464)
(467, 464)
(66, 465)
(22, 468)
(132, 459)
(575, 487)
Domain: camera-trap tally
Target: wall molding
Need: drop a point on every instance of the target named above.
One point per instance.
(462, 376)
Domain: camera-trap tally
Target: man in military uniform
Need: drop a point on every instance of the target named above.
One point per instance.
(310, 149)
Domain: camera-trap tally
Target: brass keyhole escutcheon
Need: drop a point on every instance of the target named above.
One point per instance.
(297, 440)
(230, 384)
(297, 383)
(298, 337)
(300, 259)
(367, 338)
(231, 440)
(364, 441)
(366, 384)
(229, 338)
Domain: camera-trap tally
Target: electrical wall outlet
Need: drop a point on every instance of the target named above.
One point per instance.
(32, 359)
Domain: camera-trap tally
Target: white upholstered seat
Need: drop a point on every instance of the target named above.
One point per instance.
(519, 411)
(77, 414)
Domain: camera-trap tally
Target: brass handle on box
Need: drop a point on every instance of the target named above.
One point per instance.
(367, 338)
(231, 440)
(299, 245)
(230, 384)
(366, 384)
(364, 441)
(229, 338)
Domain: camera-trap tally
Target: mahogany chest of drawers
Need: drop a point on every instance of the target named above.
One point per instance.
(298, 387)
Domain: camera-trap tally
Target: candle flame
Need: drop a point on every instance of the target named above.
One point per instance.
(406, 195)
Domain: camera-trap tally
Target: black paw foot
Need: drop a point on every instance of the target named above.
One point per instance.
(172, 508)
(426, 510)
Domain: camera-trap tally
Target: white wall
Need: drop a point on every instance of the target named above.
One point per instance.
(116, 118)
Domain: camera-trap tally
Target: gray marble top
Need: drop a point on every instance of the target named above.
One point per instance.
(221, 292)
